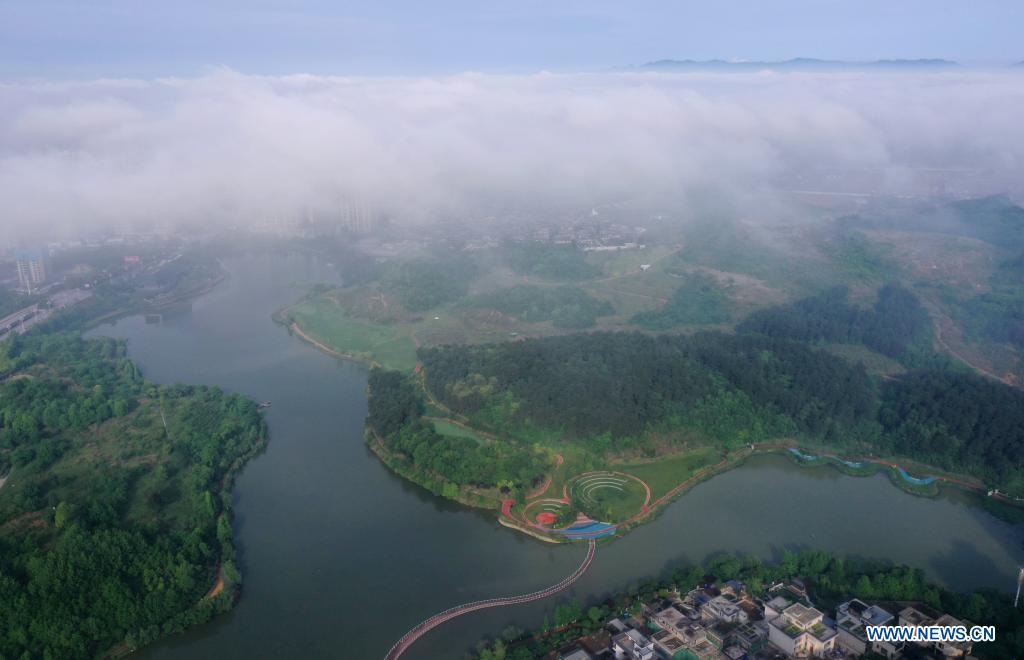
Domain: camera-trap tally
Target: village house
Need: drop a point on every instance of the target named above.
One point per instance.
(852, 617)
(914, 616)
(800, 632)
(722, 608)
(633, 645)
(575, 654)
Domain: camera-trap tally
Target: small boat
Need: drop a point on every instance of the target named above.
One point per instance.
(265, 404)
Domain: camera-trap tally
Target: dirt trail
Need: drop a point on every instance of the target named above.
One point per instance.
(982, 370)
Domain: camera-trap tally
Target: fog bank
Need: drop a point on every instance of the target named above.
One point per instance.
(232, 148)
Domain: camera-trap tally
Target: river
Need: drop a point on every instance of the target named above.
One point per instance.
(340, 557)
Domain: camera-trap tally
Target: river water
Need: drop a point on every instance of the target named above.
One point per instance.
(340, 557)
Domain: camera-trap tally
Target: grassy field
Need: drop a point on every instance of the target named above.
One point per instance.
(608, 497)
(624, 262)
(444, 427)
(875, 363)
(666, 473)
(390, 345)
(370, 323)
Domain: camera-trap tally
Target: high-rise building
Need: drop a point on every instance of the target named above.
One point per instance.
(32, 267)
(356, 216)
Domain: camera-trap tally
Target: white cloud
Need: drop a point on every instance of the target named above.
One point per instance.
(232, 147)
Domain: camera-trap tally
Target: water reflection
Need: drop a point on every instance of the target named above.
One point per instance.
(341, 556)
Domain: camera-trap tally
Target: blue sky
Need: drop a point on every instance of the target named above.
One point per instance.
(48, 39)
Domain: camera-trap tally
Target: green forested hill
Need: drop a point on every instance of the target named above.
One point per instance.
(958, 421)
(616, 390)
(115, 511)
(628, 383)
(896, 325)
(441, 461)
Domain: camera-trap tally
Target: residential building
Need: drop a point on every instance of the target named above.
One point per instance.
(575, 654)
(800, 632)
(852, 617)
(32, 268)
(953, 649)
(749, 636)
(734, 653)
(722, 608)
(616, 626)
(668, 643)
(776, 605)
(671, 619)
(910, 616)
(914, 616)
(633, 645)
(695, 638)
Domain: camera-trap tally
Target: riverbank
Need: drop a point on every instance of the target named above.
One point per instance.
(178, 298)
(319, 517)
(435, 484)
(354, 357)
(513, 516)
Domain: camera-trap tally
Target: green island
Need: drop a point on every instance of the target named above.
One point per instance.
(577, 392)
(115, 493)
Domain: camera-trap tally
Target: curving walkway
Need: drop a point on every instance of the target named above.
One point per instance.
(407, 640)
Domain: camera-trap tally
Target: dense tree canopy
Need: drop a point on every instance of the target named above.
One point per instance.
(955, 420)
(731, 389)
(625, 383)
(115, 513)
(894, 326)
(998, 314)
(426, 282)
(11, 302)
(395, 406)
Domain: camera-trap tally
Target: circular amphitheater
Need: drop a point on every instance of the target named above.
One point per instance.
(545, 511)
(609, 496)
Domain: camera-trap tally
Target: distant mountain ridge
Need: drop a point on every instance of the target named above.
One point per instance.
(797, 64)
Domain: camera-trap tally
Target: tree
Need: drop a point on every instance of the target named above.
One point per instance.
(864, 588)
(61, 515)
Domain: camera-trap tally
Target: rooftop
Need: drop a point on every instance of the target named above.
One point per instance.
(668, 640)
(871, 615)
(915, 617)
(671, 616)
(803, 616)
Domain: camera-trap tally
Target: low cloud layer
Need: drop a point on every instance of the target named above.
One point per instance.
(232, 148)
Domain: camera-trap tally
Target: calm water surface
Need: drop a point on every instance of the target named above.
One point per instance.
(340, 557)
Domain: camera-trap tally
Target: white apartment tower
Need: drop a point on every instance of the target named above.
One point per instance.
(32, 267)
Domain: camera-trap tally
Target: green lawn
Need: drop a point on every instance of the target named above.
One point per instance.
(444, 427)
(875, 363)
(624, 262)
(666, 473)
(608, 497)
(390, 345)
